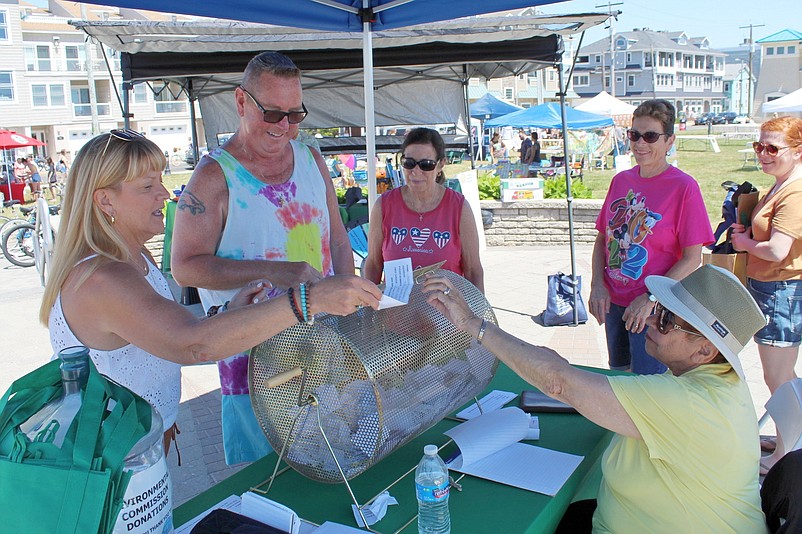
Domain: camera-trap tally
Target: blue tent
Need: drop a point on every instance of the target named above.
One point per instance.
(548, 116)
(490, 107)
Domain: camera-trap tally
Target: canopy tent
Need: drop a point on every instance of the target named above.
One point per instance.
(789, 102)
(490, 107)
(606, 104)
(460, 50)
(549, 115)
(9, 139)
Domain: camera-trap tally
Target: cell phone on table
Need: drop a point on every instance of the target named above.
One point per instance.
(532, 401)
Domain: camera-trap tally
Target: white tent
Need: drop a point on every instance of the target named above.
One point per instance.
(606, 104)
(790, 102)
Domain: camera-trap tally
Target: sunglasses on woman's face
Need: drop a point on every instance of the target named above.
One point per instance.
(123, 135)
(649, 137)
(424, 164)
(666, 322)
(274, 116)
(771, 150)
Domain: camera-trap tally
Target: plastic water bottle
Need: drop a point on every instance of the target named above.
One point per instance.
(147, 504)
(431, 485)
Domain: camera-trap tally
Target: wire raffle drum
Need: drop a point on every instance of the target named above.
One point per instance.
(372, 381)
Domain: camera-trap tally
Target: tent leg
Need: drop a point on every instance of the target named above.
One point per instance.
(568, 194)
(370, 119)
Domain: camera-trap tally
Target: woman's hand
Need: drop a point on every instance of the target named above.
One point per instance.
(342, 295)
(255, 291)
(599, 301)
(637, 312)
(740, 237)
(446, 299)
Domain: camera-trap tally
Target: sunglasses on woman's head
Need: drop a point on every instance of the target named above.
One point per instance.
(666, 321)
(771, 150)
(424, 164)
(125, 134)
(274, 116)
(649, 137)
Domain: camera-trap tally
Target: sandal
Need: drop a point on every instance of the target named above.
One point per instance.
(768, 444)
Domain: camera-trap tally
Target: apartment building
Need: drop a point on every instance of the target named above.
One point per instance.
(780, 67)
(52, 79)
(650, 64)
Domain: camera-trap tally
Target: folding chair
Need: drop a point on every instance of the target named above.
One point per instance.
(358, 236)
(785, 408)
(780, 494)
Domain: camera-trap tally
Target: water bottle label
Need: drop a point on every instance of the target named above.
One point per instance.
(432, 494)
(147, 505)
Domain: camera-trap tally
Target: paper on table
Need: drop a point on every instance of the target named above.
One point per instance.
(489, 449)
(490, 402)
(231, 503)
(399, 281)
(270, 512)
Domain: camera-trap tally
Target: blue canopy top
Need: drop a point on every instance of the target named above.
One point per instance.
(548, 116)
(490, 107)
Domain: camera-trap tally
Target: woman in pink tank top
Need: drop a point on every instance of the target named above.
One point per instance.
(423, 220)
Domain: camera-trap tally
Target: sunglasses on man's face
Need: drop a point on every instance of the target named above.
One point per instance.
(771, 150)
(424, 164)
(274, 116)
(666, 321)
(123, 135)
(649, 137)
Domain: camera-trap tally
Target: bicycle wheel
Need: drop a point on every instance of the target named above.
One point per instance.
(18, 244)
(177, 160)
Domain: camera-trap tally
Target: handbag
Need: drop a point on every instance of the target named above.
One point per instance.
(560, 301)
(78, 487)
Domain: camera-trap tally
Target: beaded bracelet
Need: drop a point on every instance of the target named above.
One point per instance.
(305, 294)
(294, 306)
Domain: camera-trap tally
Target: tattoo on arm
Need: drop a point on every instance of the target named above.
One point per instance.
(191, 203)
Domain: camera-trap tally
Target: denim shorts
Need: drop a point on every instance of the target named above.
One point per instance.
(626, 350)
(781, 303)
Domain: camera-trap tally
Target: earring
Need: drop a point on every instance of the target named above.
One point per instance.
(112, 219)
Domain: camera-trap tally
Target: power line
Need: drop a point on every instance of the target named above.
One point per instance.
(612, 45)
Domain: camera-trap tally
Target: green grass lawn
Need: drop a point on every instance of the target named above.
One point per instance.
(709, 169)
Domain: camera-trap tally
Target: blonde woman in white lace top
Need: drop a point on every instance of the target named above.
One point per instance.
(106, 293)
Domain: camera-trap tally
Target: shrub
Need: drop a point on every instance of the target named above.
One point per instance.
(489, 187)
(556, 188)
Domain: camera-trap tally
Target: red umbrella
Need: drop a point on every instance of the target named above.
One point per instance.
(9, 139)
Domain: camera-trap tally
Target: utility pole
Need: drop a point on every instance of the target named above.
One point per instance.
(749, 80)
(90, 77)
(609, 6)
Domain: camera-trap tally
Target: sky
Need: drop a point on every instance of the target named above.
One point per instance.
(718, 20)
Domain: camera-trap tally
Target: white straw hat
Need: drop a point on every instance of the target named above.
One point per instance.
(715, 303)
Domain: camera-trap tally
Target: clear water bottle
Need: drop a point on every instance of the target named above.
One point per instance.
(147, 503)
(431, 485)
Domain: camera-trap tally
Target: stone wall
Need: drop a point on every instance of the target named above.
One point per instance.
(540, 222)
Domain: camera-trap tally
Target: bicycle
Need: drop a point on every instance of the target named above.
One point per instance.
(30, 243)
(9, 215)
(177, 160)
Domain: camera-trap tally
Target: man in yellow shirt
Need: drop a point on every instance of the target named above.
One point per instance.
(686, 451)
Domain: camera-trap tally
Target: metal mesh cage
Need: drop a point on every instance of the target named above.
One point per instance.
(380, 378)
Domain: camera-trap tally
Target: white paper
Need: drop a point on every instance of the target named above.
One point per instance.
(335, 528)
(375, 511)
(231, 503)
(490, 402)
(398, 283)
(270, 512)
(489, 449)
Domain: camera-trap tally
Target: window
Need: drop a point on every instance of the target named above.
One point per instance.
(37, 58)
(780, 50)
(631, 80)
(769, 50)
(791, 49)
(6, 86)
(598, 58)
(167, 103)
(607, 81)
(508, 93)
(3, 25)
(581, 79)
(583, 59)
(140, 94)
(629, 58)
(47, 95)
(74, 58)
(619, 79)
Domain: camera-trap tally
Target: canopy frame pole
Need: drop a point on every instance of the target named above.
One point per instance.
(370, 119)
(471, 146)
(568, 195)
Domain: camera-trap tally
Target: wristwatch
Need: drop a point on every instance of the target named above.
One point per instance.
(652, 298)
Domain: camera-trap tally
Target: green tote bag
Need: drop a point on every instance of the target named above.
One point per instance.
(78, 487)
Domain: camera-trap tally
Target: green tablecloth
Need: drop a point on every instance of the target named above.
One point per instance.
(481, 506)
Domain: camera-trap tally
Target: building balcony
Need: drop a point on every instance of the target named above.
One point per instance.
(85, 110)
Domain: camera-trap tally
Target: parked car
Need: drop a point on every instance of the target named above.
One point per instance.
(704, 118)
(726, 117)
(189, 155)
(742, 119)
